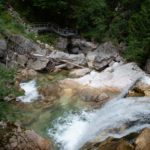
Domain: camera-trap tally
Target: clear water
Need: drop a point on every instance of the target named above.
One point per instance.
(69, 125)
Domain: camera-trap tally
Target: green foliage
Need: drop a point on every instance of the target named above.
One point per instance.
(48, 38)
(139, 35)
(10, 24)
(117, 20)
(7, 82)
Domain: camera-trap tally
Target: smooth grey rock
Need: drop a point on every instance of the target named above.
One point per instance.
(38, 64)
(79, 72)
(22, 45)
(76, 59)
(105, 54)
(22, 60)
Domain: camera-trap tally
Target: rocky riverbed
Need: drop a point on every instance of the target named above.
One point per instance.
(76, 101)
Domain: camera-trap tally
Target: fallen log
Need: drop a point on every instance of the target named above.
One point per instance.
(71, 63)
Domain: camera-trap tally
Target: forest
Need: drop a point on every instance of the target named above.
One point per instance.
(75, 74)
(99, 20)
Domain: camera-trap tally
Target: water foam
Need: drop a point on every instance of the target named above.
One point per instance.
(116, 118)
(31, 93)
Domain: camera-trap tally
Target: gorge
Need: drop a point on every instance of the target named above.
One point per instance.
(74, 92)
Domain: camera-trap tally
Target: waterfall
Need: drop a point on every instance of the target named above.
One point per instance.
(31, 92)
(116, 118)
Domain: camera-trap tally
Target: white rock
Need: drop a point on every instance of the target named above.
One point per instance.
(121, 77)
(79, 72)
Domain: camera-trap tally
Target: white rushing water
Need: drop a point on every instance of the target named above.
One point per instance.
(117, 118)
(31, 93)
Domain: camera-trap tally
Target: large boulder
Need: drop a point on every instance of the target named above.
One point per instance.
(115, 78)
(104, 55)
(109, 144)
(78, 45)
(23, 52)
(84, 45)
(22, 45)
(38, 63)
(14, 137)
(72, 59)
(142, 88)
(133, 141)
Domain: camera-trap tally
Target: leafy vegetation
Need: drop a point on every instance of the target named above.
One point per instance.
(101, 20)
(7, 86)
(49, 38)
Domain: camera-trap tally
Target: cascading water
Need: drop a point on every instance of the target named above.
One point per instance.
(116, 118)
(31, 92)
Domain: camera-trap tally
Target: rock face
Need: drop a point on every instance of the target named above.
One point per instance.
(76, 59)
(23, 52)
(104, 55)
(83, 45)
(14, 137)
(3, 47)
(77, 45)
(139, 142)
(147, 67)
(22, 45)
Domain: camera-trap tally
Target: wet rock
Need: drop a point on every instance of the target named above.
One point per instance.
(104, 55)
(50, 91)
(102, 97)
(14, 137)
(92, 96)
(143, 140)
(25, 74)
(109, 144)
(133, 141)
(79, 72)
(142, 88)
